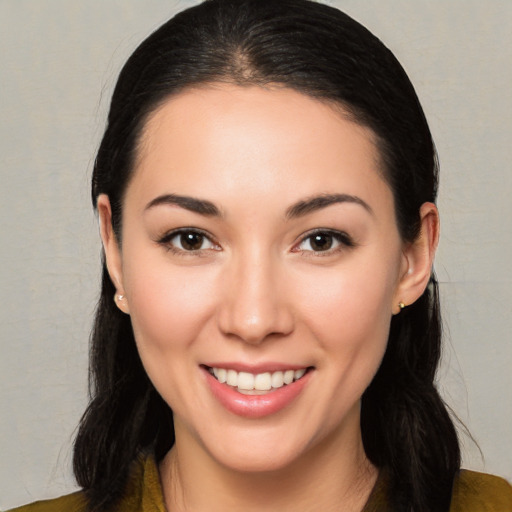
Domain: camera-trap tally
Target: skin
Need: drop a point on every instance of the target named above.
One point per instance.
(257, 291)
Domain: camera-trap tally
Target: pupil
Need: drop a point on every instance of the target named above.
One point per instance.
(191, 241)
(321, 242)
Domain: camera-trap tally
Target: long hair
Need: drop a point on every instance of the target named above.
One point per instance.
(321, 52)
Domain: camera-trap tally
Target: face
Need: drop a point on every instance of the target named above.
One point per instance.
(261, 265)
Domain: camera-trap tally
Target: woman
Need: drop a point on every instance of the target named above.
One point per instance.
(266, 193)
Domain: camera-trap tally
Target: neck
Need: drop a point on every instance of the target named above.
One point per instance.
(332, 476)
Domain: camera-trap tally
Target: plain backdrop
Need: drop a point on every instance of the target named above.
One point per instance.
(58, 62)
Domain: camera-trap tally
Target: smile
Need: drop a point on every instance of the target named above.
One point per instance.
(256, 384)
(253, 392)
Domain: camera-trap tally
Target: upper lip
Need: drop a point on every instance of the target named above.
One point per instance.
(256, 368)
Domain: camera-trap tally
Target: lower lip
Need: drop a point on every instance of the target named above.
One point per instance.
(256, 406)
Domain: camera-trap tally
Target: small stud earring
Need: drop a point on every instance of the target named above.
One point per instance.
(401, 305)
(118, 297)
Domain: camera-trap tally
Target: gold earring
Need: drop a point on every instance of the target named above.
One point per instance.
(401, 305)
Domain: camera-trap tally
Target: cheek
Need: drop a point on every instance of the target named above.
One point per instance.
(348, 312)
(348, 304)
(349, 317)
(168, 305)
(169, 309)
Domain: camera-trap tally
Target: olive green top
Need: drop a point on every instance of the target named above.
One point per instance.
(472, 492)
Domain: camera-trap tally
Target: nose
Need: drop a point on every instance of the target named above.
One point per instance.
(253, 305)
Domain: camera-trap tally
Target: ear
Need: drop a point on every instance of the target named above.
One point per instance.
(112, 251)
(418, 258)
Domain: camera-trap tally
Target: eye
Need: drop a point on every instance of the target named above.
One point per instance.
(187, 240)
(325, 241)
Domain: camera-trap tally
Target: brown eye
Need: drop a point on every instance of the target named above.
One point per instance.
(188, 241)
(191, 241)
(325, 241)
(321, 242)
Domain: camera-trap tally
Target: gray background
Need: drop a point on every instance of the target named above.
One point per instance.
(58, 63)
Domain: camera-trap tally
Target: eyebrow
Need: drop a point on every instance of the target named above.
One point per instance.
(315, 203)
(201, 206)
(299, 209)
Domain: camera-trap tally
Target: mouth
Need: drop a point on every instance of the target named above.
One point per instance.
(259, 391)
(248, 383)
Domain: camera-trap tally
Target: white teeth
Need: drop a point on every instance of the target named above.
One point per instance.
(232, 378)
(277, 380)
(245, 380)
(263, 382)
(288, 376)
(248, 383)
(299, 373)
(221, 375)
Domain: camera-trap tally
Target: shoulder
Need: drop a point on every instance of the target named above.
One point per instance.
(480, 492)
(70, 503)
(142, 493)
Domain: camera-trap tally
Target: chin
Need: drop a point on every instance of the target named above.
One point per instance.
(256, 460)
(259, 449)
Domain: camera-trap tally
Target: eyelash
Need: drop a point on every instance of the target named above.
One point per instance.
(168, 237)
(343, 240)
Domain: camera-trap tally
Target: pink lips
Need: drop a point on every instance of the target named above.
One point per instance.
(255, 406)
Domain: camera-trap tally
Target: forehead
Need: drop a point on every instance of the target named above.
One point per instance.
(248, 106)
(233, 139)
